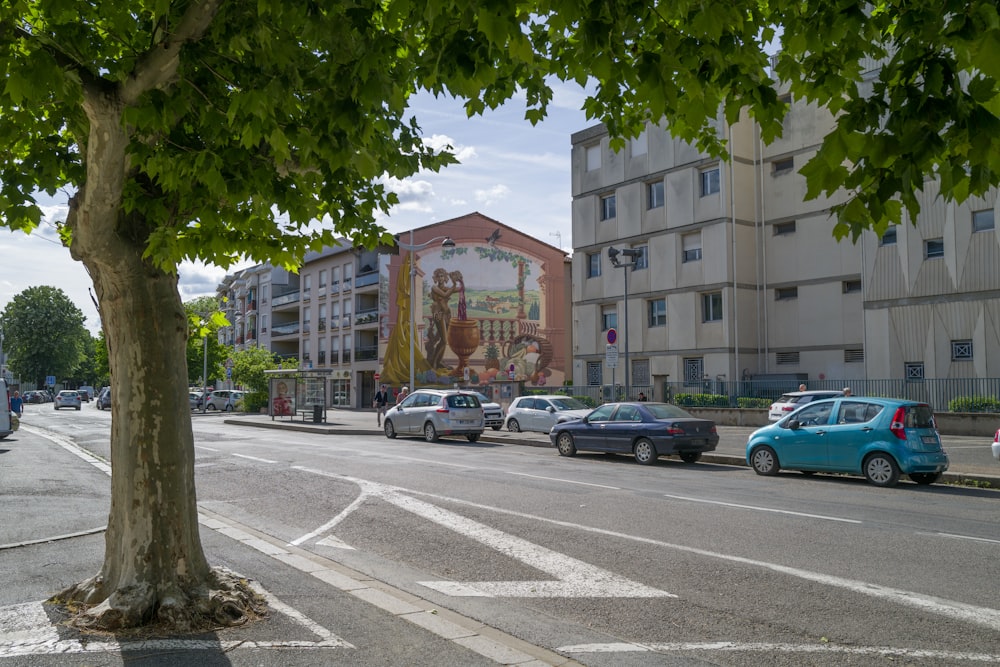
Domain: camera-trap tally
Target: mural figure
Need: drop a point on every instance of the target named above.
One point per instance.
(463, 333)
(397, 358)
(437, 331)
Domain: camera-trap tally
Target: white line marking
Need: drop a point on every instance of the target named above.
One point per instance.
(565, 481)
(763, 509)
(734, 647)
(207, 449)
(332, 523)
(953, 536)
(254, 458)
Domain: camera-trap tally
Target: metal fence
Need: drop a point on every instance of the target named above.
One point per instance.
(969, 394)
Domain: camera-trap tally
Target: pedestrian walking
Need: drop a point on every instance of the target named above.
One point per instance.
(403, 393)
(16, 404)
(380, 402)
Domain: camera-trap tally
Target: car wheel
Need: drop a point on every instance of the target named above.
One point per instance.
(78, 407)
(497, 427)
(390, 430)
(513, 426)
(881, 470)
(925, 478)
(430, 433)
(764, 461)
(690, 457)
(564, 443)
(644, 451)
(472, 437)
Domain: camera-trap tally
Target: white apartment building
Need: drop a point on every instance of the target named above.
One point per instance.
(738, 276)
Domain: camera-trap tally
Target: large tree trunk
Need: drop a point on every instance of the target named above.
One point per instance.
(154, 568)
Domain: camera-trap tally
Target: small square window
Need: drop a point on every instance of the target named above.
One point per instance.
(593, 157)
(783, 228)
(609, 207)
(982, 221)
(851, 286)
(786, 358)
(914, 371)
(783, 293)
(889, 237)
(933, 248)
(961, 350)
(609, 319)
(854, 356)
(593, 264)
(594, 373)
(710, 184)
(782, 166)
(711, 307)
(655, 194)
(691, 247)
(658, 313)
(641, 258)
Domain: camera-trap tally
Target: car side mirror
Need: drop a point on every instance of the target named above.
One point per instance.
(793, 424)
(551, 409)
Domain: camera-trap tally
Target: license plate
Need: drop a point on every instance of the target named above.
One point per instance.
(466, 421)
(929, 439)
(698, 442)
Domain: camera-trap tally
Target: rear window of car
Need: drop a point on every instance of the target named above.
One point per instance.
(667, 411)
(919, 416)
(463, 401)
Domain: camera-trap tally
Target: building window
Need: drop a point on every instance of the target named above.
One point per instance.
(785, 99)
(711, 307)
(307, 283)
(786, 358)
(854, 356)
(914, 371)
(961, 350)
(263, 323)
(933, 248)
(783, 293)
(691, 247)
(609, 318)
(784, 228)
(593, 157)
(982, 221)
(851, 286)
(609, 207)
(322, 280)
(594, 373)
(889, 237)
(593, 264)
(694, 370)
(709, 181)
(782, 166)
(658, 313)
(640, 145)
(306, 319)
(655, 194)
(641, 259)
(640, 372)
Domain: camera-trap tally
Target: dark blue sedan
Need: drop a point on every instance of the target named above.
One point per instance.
(646, 430)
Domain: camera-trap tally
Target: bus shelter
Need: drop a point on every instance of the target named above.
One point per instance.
(297, 394)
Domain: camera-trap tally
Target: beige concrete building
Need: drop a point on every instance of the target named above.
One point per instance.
(737, 275)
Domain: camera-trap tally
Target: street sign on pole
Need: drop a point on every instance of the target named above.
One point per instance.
(611, 355)
(612, 336)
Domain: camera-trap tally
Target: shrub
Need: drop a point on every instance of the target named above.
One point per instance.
(701, 400)
(587, 400)
(253, 401)
(749, 402)
(974, 404)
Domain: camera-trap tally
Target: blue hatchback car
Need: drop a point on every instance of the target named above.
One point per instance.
(879, 438)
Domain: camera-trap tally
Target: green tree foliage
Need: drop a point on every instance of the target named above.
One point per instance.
(205, 319)
(202, 129)
(44, 334)
(101, 366)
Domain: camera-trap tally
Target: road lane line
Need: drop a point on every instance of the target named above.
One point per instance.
(565, 481)
(332, 523)
(954, 536)
(824, 517)
(254, 458)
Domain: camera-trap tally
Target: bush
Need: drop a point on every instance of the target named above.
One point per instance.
(701, 400)
(748, 402)
(974, 404)
(253, 401)
(587, 400)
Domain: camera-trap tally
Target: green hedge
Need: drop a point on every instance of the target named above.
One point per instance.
(702, 400)
(974, 404)
(751, 403)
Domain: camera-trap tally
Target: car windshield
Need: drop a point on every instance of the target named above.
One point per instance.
(569, 404)
(482, 398)
(667, 411)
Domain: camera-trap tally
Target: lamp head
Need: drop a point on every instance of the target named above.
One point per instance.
(447, 243)
(613, 254)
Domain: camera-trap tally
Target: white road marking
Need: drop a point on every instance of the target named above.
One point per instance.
(984, 616)
(734, 647)
(565, 481)
(824, 517)
(953, 536)
(207, 449)
(254, 458)
(332, 523)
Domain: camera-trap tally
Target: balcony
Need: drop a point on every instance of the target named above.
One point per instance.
(284, 299)
(366, 317)
(366, 352)
(290, 329)
(322, 357)
(321, 326)
(366, 279)
(347, 357)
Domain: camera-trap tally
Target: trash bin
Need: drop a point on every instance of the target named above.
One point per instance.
(317, 414)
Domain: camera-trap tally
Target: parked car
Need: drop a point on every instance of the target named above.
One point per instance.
(223, 399)
(91, 394)
(541, 413)
(433, 413)
(103, 401)
(879, 438)
(33, 397)
(67, 398)
(492, 412)
(794, 400)
(646, 430)
(996, 446)
(195, 399)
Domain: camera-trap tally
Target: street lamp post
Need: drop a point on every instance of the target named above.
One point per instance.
(631, 253)
(446, 242)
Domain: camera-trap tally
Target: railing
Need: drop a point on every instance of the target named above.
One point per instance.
(366, 317)
(322, 357)
(366, 279)
(365, 352)
(347, 357)
(284, 299)
(285, 329)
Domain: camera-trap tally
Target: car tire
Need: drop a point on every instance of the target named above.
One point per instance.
(472, 437)
(390, 430)
(78, 407)
(565, 445)
(881, 470)
(690, 457)
(925, 478)
(644, 451)
(430, 433)
(764, 461)
(513, 426)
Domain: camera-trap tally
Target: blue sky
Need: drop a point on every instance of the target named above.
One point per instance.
(510, 170)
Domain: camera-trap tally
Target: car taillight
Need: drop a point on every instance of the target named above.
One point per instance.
(898, 426)
(675, 430)
(788, 408)
(714, 430)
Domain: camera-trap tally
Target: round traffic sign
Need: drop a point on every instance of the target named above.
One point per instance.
(612, 336)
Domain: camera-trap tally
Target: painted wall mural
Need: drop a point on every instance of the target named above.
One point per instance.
(480, 306)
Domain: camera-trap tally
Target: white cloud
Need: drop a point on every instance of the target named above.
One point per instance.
(492, 195)
(441, 142)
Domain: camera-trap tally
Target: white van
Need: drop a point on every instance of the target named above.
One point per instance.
(5, 427)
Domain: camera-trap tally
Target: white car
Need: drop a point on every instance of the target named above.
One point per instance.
(542, 412)
(492, 412)
(794, 400)
(223, 399)
(67, 398)
(996, 446)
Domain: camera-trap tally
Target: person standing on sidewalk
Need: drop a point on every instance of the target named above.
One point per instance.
(380, 402)
(17, 404)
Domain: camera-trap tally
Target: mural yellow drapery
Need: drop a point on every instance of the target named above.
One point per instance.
(396, 370)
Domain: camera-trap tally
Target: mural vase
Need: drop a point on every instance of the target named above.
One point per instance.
(463, 339)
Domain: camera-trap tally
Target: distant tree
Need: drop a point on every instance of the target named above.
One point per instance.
(44, 334)
(85, 372)
(248, 372)
(101, 366)
(205, 319)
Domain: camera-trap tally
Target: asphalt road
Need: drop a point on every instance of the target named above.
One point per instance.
(611, 563)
